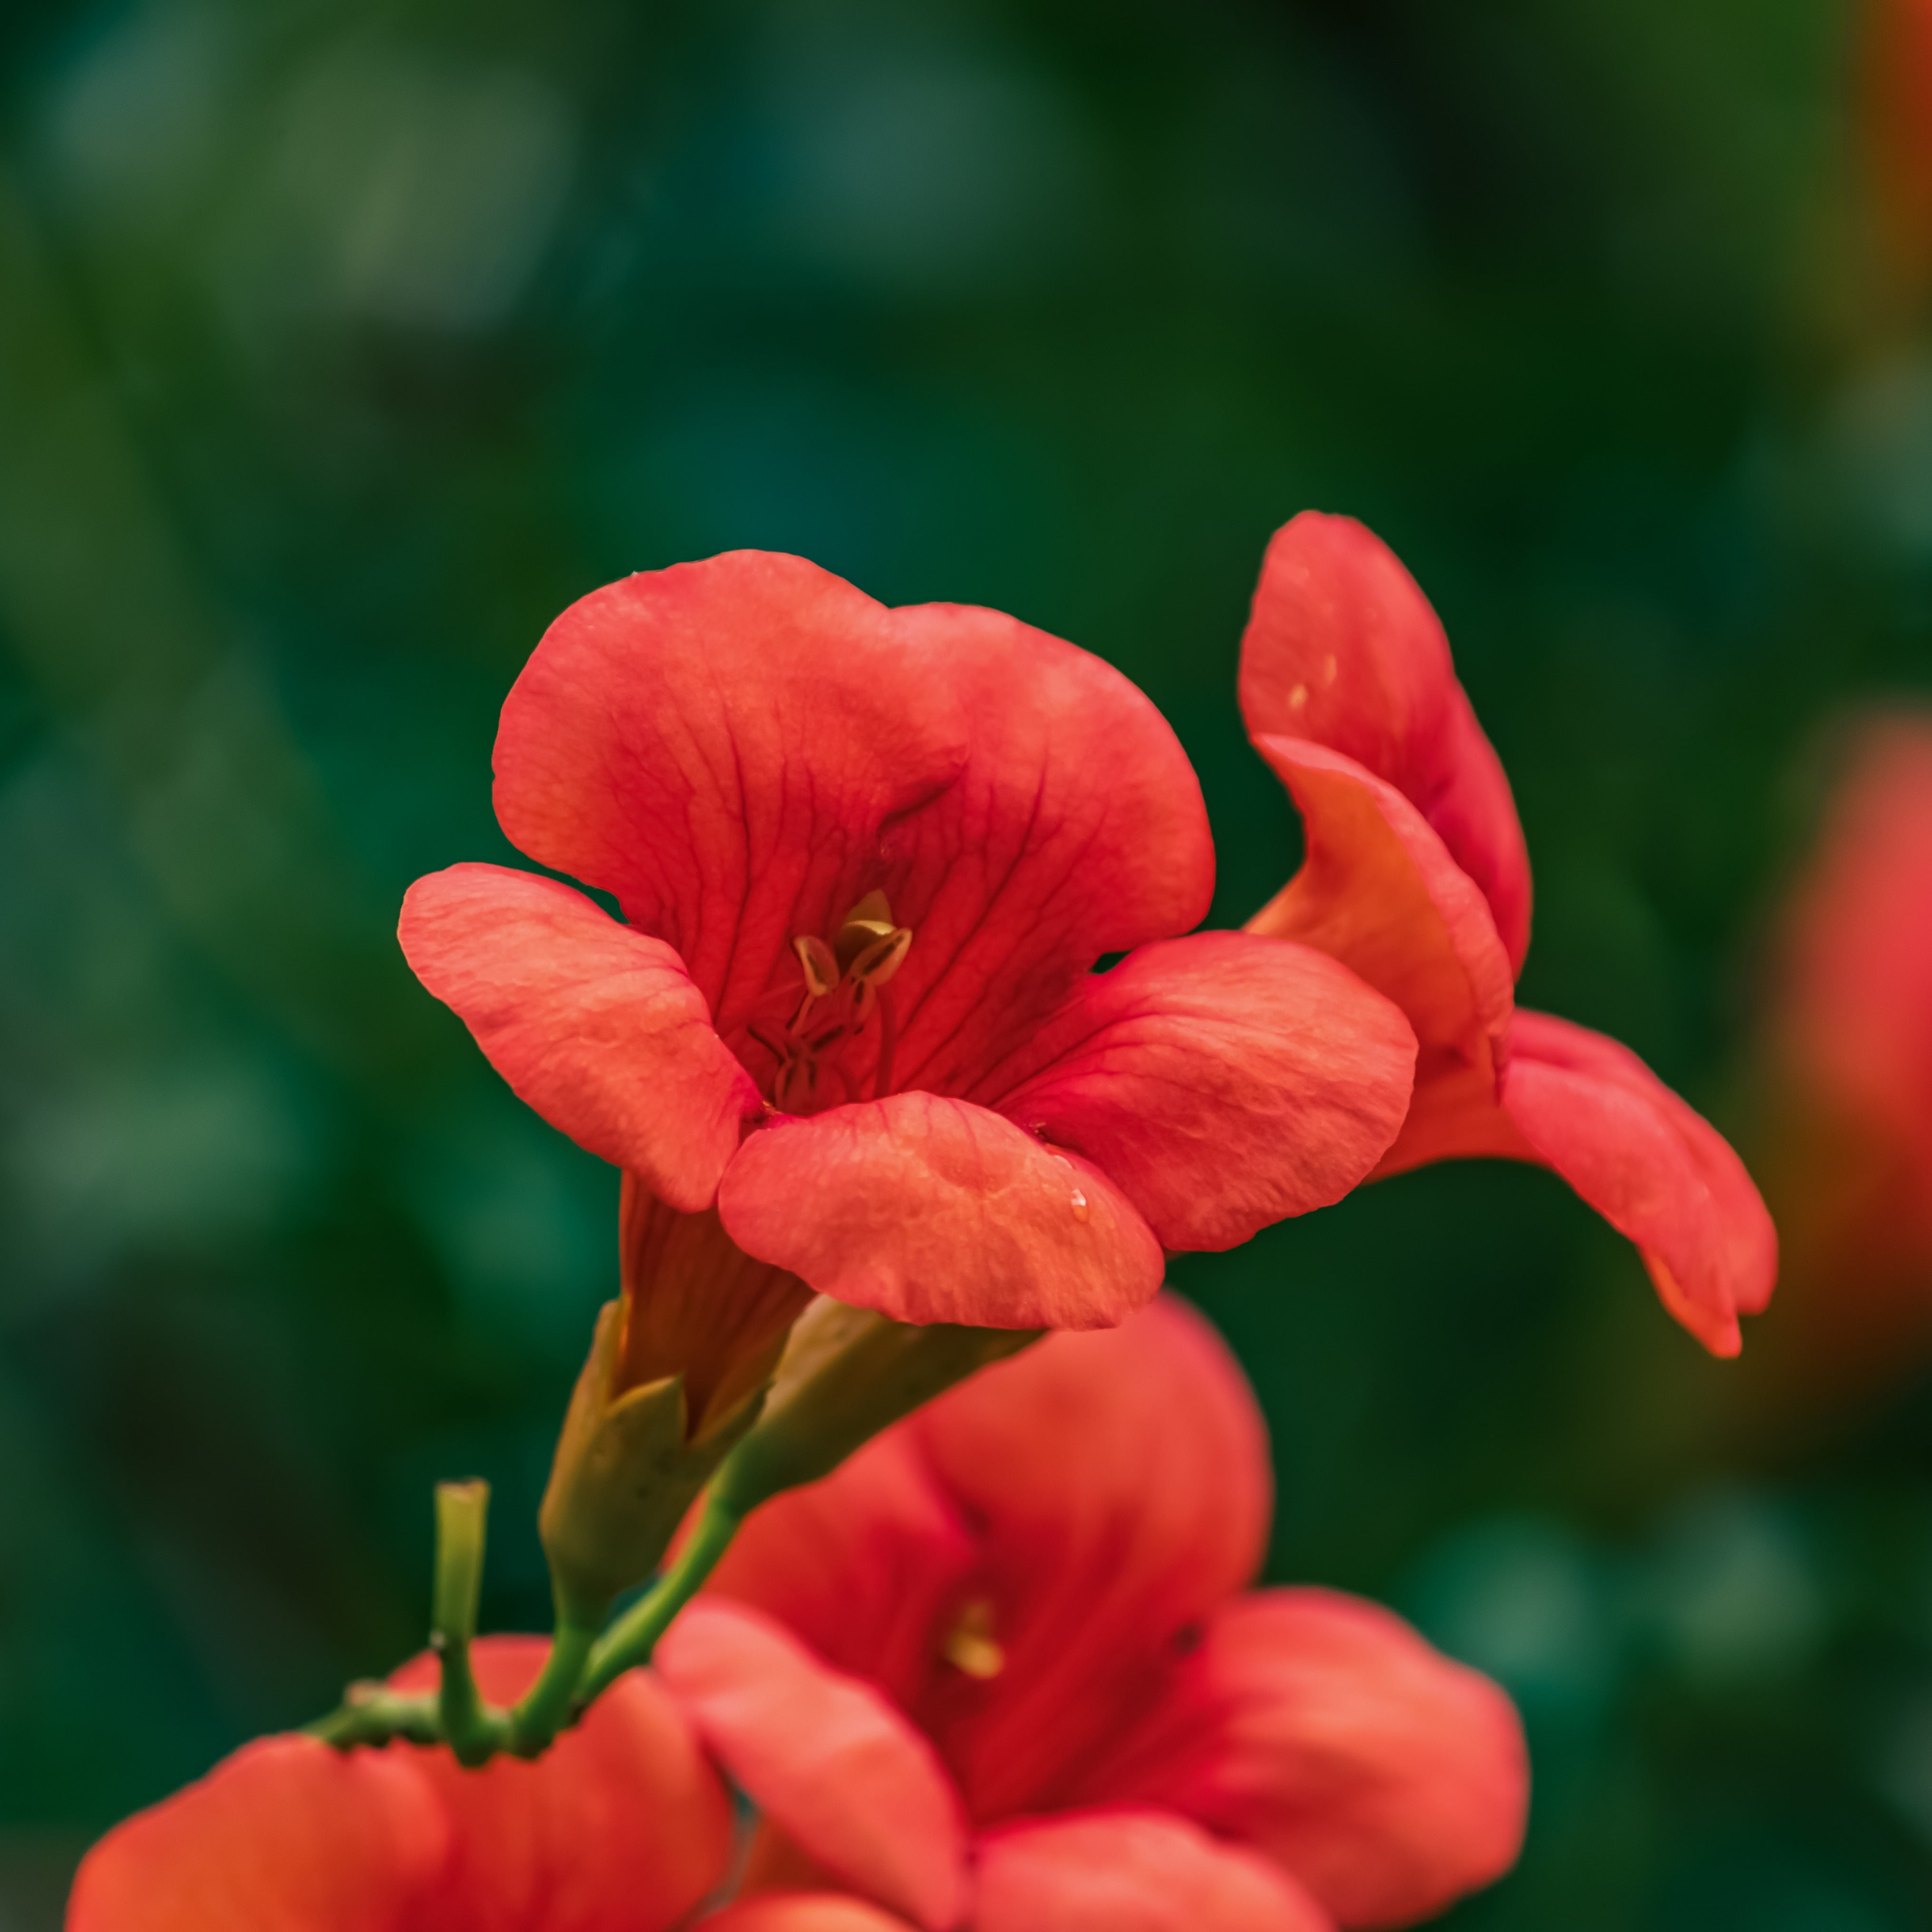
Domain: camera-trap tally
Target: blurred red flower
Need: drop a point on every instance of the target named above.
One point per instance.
(1849, 1144)
(622, 1827)
(1895, 123)
(1000, 1669)
(1417, 877)
(850, 1039)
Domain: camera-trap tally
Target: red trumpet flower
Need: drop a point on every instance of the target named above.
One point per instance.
(622, 1827)
(1416, 877)
(998, 1671)
(850, 1039)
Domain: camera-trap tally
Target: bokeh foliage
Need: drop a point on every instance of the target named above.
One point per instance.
(340, 346)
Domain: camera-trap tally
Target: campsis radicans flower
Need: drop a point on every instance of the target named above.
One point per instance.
(622, 1826)
(847, 1037)
(1416, 875)
(999, 1670)
(1848, 1141)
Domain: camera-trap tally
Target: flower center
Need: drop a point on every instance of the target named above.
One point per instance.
(969, 1646)
(844, 1000)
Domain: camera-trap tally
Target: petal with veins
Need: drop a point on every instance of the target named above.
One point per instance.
(599, 1028)
(824, 1756)
(1223, 1082)
(1342, 647)
(1322, 1730)
(932, 1209)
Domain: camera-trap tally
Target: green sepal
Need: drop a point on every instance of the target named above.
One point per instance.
(623, 1477)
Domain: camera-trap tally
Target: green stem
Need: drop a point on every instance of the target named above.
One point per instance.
(372, 1713)
(631, 1639)
(545, 1707)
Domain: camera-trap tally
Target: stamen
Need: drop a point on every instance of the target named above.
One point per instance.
(969, 1646)
(876, 963)
(821, 967)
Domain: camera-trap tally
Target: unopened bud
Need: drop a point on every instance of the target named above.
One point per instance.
(846, 1374)
(623, 1476)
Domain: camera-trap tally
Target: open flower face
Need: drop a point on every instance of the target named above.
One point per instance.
(1000, 1670)
(623, 1827)
(847, 1037)
(1416, 877)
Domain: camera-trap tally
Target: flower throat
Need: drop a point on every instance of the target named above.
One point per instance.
(844, 998)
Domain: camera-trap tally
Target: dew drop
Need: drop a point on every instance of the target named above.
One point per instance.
(1297, 697)
(1075, 1199)
(1329, 668)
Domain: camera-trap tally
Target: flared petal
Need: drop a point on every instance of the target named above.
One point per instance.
(1116, 1485)
(1076, 828)
(932, 1209)
(1342, 647)
(802, 1912)
(1651, 1165)
(1131, 1871)
(721, 745)
(741, 749)
(1323, 1731)
(289, 1833)
(1379, 891)
(621, 1826)
(826, 1757)
(1222, 1082)
(599, 1028)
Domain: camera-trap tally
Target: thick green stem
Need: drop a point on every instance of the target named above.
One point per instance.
(545, 1707)
(632, 1639)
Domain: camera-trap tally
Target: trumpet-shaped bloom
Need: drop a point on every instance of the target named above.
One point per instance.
(999, 1670)
(1416, 877)
(847, 1037)
(1849, 1142)
(622, 1827)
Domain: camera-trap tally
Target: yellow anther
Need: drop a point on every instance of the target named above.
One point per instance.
(877, 963)
(969, 1646)
(820, 964)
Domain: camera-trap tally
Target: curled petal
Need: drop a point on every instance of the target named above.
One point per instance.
(720, 744)
(1323, 1731)
(825, 1757)
(1223, 1082)
(932, 1209)
(621, 1826)
(1651, 1165)
(599, 1028)
(1342, 647)
(289, 1833)
(802, 1912)
(1379, 891)
(1131, 1871)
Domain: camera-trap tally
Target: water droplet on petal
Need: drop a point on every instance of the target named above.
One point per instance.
(1329, 668)
(1077, 1202)
(1297, 697)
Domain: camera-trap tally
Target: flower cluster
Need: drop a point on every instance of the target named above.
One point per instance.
(999, 1671)
(909, 1052)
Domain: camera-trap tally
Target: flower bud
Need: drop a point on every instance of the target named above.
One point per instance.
(623, 1476)
(846, 1374)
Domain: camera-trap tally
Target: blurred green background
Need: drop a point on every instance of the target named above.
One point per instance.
(341, 345)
